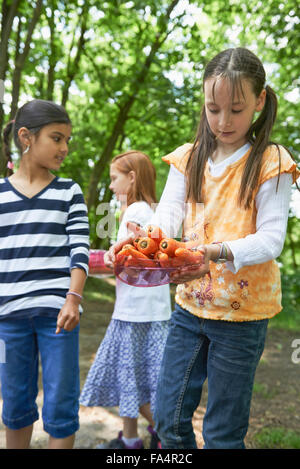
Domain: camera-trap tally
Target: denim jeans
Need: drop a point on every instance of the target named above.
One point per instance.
(25, 340)
(226, 354)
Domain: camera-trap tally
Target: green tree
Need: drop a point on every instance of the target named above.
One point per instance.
(130, 73)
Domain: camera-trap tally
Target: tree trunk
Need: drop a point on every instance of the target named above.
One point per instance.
(107, 152)
(73, 66)
(19, 65)
(52, 57)
(8, 15)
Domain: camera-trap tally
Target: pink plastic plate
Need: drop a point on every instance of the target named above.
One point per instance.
(97, 268)
(144, 276)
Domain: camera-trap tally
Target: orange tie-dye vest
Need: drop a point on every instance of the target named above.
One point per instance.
(254, 292)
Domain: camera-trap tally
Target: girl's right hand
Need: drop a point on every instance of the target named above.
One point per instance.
(136, 229)
(110, 255)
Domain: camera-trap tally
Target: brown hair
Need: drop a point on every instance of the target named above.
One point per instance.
(33, 115)
(145, 175)
(235, 65)
(6, 145)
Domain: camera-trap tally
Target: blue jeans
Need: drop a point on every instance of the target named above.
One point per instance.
(25, 340)
(226, 354)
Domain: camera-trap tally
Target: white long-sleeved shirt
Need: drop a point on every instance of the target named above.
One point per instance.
(271, 222)
(136, 304)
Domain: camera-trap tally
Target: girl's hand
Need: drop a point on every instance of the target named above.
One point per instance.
(136, 229)
(186, 274)
(110, 255)
(68, 317)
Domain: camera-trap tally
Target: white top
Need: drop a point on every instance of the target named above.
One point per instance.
(138, 304)
(271, 222)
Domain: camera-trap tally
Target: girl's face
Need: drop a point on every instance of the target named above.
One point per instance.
(230, 117)
(120, 182)
(49, 148)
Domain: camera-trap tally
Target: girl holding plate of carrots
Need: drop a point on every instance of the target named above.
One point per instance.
(218, 329)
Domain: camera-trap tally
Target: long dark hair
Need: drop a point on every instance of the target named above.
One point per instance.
(33, 115)
(235, 65)
(145, 175)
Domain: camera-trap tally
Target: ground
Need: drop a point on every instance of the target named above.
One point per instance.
(275, 403)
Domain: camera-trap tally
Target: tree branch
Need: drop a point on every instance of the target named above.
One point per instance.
(125, 107)
(19, 64)
(73, 67)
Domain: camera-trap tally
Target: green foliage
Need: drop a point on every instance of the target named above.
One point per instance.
(277, 438)
(290, 257)
(289, 262)
(131, 75)
(289, 317)
(98, 290)
(264, 391)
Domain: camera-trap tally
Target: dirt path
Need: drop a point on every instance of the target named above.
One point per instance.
(275, 403)
(276, 395)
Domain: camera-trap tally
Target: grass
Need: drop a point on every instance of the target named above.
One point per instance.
(289, 317)
(277, 438)
(97, 289)
(264, 391)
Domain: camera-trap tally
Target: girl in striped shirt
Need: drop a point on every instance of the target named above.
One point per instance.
(44, 243)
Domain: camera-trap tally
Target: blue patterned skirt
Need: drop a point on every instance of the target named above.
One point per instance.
(126, 367)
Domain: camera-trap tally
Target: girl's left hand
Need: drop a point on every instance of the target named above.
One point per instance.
(186, 274)
(69, 315)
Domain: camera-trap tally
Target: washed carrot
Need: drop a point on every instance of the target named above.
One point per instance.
(163, 258)
(190, 257)
(169, 245)
(131, 251)
(156, 233)
(139, 262)
(121, 256)
(126, 251)
(177, 261)
(127, 246)
(135, 242)
(147, 246)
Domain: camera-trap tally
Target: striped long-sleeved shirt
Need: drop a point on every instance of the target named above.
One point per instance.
(41, 239)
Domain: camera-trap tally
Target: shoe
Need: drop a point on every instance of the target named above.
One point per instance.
(155, 442)
(118, 443)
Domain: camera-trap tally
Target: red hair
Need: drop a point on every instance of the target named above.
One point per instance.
(145, 175)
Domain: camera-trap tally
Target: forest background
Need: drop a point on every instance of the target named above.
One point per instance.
(130, 75)
(130, 72)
